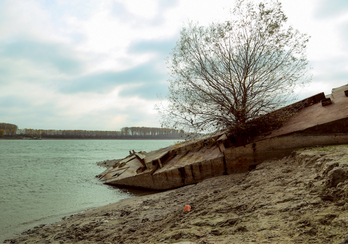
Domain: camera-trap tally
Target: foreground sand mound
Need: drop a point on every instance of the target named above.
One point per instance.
(302, 198)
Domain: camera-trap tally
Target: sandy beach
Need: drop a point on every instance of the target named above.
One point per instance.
(302, 198)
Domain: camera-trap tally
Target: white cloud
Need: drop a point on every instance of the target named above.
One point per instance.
(98, 37)
(27, 18)
(142, 9)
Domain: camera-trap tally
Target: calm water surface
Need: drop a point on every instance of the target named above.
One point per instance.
(43, 180)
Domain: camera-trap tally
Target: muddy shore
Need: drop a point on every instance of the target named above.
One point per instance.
(298, 199)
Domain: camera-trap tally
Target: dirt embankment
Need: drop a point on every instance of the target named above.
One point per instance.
(299, 199)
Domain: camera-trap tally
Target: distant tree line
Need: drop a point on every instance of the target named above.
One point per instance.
(7, 129)
(12, 131)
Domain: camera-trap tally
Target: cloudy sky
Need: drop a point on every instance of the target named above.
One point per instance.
(100, 64)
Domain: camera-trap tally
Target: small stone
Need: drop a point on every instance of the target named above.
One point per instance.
(241, 229)
(215, 232)
(145, 220)
(337, 175)
(310, 231)
(329, 166)
(345, 239)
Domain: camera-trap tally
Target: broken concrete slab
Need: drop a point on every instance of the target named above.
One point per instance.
(213, 155)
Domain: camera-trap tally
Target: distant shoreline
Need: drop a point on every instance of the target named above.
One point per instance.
(11, 131)
(50, 138)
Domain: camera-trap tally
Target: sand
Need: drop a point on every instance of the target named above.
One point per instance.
(298, 199)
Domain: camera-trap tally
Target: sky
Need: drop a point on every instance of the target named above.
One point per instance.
(101, 64)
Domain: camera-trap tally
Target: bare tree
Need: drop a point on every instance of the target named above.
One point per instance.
(227, 74)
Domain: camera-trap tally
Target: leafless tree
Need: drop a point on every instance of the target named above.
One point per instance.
(227, 74)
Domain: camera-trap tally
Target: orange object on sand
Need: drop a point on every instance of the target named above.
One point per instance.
(187, 208)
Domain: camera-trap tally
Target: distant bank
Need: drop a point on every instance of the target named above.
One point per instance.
(11, 131)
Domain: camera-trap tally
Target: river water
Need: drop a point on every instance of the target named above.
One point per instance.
(43, 180)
